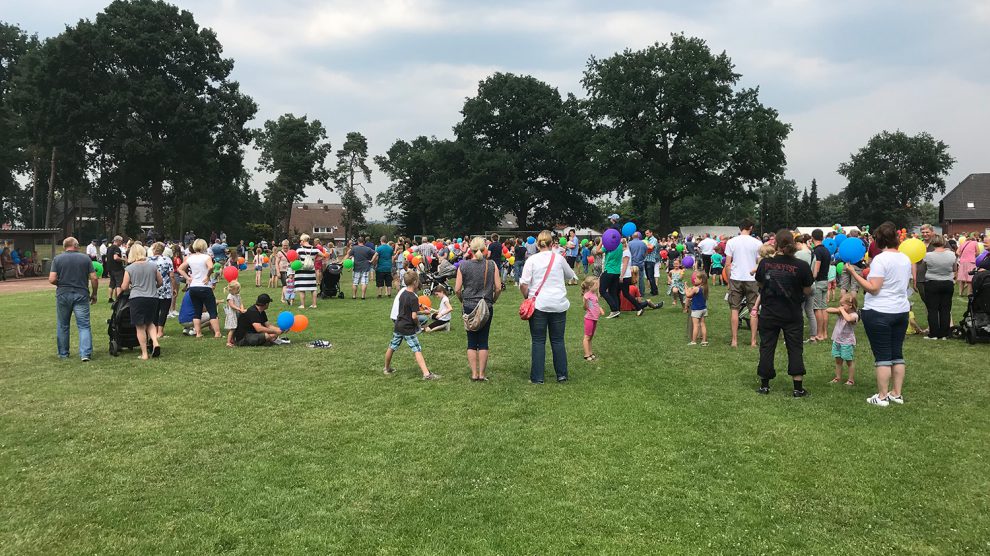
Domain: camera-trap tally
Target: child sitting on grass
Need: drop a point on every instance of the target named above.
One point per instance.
(441, 316)
(592, 312)
(844, 337)
(699, 310)
(406, 326)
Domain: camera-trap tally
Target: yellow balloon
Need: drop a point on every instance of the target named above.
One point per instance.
(914, 248)
(979, 248)
(512, 260)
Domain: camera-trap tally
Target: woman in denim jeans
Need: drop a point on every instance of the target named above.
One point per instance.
(885, 312)
(550, 314)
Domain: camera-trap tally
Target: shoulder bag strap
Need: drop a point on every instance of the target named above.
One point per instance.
(545, 275)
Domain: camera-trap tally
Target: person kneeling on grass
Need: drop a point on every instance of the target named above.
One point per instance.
(406, 326)
(441, 316)
(253, 328)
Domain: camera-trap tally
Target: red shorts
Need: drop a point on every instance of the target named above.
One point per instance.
(589, 327)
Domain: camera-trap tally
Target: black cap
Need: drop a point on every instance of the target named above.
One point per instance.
(263, 299)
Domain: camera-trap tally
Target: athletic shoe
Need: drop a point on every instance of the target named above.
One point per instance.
(800, 393)
(389, 370)
(763, 390)
(899, 400)
(86, 360)
(562, 379)
(613, 314)
(692, 343)
(281, 342)
(640, 312)
(929, 338)
(875, 399)
(431, 376)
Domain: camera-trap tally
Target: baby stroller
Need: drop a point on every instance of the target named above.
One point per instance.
(975, 324)
(330, 284)
(430, 280)
(122, 333)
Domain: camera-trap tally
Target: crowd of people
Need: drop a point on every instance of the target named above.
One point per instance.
(774, 285)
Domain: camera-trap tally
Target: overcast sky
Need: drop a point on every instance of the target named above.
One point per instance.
(838, 71)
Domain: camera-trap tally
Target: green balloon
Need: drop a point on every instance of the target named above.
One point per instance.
(839, 268)
(97, 268)
(296, 265)
(348, 263)
(217, 267)
(563, 241)
(27, 254)
(680, 247)
(584, 242)
(251, 245)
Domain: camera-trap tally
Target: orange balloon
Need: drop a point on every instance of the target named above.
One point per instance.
(725, 276)
(265, 259)
(300, 324)
(240, 260)
(424, 301)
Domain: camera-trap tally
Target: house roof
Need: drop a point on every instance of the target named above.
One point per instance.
(305, 217)
(970, 200)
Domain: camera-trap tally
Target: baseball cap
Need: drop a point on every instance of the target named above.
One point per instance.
(263, 299)
(613, 217)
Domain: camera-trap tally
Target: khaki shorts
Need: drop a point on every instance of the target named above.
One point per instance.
(699, 313)
(819, 295)
(742, 290)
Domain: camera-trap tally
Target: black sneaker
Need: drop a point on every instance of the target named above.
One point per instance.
(763, 390)
(801, 393)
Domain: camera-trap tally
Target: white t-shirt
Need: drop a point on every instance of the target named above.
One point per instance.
(895, 269)
(200, 266)
(707, 246)
(103, 249)
(627, 254)
(395, 304)
(444, 308)
(744, 249)
(553, 296)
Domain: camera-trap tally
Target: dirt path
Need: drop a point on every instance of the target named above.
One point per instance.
(24, 285)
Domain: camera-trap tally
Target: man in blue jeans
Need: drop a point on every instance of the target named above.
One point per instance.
(71, 272)
(637, 252)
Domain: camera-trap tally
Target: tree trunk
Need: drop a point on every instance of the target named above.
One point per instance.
(65, 213)
(665, 225)
(51, 191)
(158, 205)
(34, 189)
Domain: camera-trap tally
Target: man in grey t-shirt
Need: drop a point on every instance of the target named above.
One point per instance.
(364, 257)
(71, 273)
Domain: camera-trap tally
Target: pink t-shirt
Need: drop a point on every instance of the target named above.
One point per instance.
(968, 252)
(594, 309)
(844, 332)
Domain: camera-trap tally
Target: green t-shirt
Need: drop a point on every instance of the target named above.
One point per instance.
(613, 261)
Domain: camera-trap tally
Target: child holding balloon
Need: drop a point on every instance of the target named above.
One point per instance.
(699, 309)
(231, 309)
(844, 337)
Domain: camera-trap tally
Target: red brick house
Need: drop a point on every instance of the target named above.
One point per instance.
(319, 219)
(967, 207)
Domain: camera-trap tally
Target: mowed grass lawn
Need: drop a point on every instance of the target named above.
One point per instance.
(655, 448)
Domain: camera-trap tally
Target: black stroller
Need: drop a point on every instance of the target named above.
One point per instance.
(430, 280)
(122, 333)
(330, 284)
(975, 324)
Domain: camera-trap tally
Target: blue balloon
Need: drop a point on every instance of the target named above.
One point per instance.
(628, 229)
(531, 240)
(243, 266)
(839, 238)
(610, 239)
(852, 251)
(285, 320)
(830, 244)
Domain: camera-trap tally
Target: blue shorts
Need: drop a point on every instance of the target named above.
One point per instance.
(843, 351)
(412, 341)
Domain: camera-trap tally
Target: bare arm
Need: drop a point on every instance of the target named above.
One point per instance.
(498, 285)
(872, 285)
(53, 278)
(459, 286)
(126, 284)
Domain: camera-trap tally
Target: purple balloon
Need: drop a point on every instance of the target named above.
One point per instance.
(610, 239)
(457, 264)
(688, 262)
(981, 256)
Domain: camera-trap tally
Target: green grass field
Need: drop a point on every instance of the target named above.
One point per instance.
(655, 448)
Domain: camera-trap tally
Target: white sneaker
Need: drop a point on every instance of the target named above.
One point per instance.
(613, 315)
(281, 341)
(896, 399)
(875, 399)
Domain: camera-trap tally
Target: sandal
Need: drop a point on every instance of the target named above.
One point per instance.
(835, 380)
(589, 357)
(850, 383)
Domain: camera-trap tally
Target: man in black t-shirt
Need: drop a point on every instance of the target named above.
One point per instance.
(253, 328)
(819, 268)
(784, 282)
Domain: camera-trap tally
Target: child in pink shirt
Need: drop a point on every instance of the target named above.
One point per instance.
(592, 311)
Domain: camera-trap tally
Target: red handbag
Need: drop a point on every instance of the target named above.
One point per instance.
(528, 305)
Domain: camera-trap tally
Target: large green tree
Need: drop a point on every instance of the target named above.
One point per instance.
(295, 150)
(779, 205)
(14, 45)
(671, 122)
(528, 150)
(350, 176)
(893, 174)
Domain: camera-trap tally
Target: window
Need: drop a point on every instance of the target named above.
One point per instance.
(971, 205)
(321, 230)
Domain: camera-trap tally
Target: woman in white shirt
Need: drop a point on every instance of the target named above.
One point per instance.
(885, 312)
(196, 270)
(544, 277)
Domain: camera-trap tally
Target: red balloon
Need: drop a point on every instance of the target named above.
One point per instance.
(230, 273)
(291, 255)
(591, 260)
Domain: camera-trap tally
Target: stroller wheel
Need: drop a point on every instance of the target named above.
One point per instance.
(114, 348)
